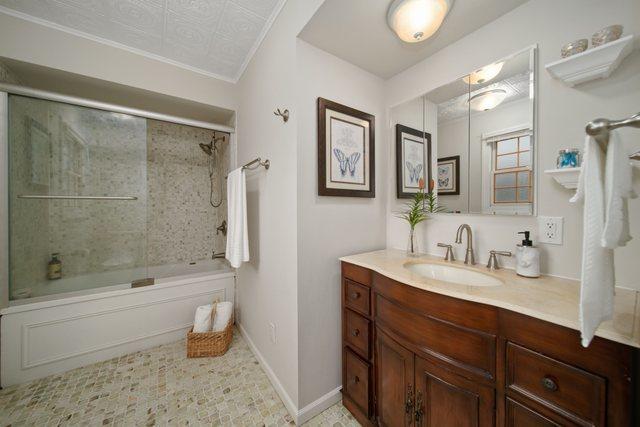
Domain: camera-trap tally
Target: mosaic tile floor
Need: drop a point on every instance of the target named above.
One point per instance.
(159, 386)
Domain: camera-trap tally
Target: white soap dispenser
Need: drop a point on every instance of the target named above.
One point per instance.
(527, 258)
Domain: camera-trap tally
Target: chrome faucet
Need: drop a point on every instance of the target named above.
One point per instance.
(469, 258)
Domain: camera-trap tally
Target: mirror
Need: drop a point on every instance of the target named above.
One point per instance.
(477, 133)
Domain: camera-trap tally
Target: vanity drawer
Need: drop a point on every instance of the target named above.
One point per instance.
(356, 380)
(356, 273)
(574, 393)
(356, 297)
(357, 332)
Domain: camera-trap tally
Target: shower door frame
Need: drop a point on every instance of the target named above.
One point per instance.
(10, 89)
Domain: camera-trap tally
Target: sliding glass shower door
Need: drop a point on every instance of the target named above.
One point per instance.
(77, 198)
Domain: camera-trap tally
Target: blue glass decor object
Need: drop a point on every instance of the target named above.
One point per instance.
(568, 158)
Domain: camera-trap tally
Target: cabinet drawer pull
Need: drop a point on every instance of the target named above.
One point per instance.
(408, 406)
(355, 332)
(355, 295)
(549, 384)
(356, 379)
(419, 409)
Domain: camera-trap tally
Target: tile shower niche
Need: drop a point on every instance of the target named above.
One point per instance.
(139, 196)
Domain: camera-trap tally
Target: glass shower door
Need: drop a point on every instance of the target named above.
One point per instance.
(77, 198)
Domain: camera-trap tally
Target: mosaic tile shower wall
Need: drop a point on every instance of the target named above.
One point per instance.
(62, 149)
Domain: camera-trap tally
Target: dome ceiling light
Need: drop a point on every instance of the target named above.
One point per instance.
(417, 20)
(488, 99)
(484, 74)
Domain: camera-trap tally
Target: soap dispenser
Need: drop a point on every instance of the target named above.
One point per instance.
(527, 258)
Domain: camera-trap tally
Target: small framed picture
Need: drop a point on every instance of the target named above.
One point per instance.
(346, 151)
(413, 160)
(449, 176)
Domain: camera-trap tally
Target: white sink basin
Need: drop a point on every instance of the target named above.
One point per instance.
(448, 273)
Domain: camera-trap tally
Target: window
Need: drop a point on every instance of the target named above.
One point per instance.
(512, 170)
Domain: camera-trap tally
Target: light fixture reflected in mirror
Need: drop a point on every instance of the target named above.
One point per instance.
(487, 100)
(417, 20)
(484, 74)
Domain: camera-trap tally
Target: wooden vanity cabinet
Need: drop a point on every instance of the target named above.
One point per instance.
(424, 359)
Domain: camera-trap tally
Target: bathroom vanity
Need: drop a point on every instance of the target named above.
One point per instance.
(419, 351)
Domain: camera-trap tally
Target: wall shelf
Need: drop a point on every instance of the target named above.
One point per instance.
(595, 63)
(567, 177)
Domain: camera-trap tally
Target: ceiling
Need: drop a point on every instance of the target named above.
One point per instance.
(357, 31)
(214, 37)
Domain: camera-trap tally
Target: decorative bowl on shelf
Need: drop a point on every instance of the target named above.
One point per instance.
(574, 47)
(606, 35)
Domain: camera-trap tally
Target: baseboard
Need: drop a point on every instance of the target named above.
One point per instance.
(284, 396)
(319, 405)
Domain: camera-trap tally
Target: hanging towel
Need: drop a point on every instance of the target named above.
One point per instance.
(597, 275)
(237, 250)
(618, 188)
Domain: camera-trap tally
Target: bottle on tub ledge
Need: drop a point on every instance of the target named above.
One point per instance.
(527, 258)
(54, 268)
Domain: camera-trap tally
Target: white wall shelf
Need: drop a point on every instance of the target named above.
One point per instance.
(595, 63)
(567, 177)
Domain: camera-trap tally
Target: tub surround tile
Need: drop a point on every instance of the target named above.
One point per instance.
(548, 298)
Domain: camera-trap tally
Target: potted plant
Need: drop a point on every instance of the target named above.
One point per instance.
(417, 211)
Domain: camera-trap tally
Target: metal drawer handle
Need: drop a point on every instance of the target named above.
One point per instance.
(355, 332)
(356, 379)
(408, 406)
(549, 383)
(355, 295)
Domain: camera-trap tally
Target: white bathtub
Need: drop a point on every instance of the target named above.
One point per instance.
(50, 334)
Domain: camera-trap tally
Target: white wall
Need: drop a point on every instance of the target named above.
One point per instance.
(267, 285)
(562, 114)
(330, 227)
(30, 42)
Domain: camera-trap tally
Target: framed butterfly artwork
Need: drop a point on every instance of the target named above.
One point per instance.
(413, 160)
(346, 151)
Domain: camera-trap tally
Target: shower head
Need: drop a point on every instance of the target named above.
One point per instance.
(207, 148)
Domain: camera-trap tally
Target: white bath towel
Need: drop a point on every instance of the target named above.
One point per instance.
(618, 188)
(237, 250)
(202, 321)
(597, 275)
(223, 314)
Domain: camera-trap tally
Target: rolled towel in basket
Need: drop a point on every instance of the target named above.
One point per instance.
(223, 314)
(202, 322)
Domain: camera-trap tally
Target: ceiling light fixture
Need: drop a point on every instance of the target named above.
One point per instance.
(488, 99)
(417, 20)
(484, 74)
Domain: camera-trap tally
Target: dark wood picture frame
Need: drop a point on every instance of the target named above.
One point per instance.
(456, 161)
(323, 106)
(400, 129)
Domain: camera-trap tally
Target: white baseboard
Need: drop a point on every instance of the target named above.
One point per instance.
(319, 405)
(286, 399)
(299, 415)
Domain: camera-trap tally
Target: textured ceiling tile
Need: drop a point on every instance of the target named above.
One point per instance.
(144, 15)
(239, 24)
(213, 35)
(201, 10)
(263, 8)
(188, 34)
(138, 39)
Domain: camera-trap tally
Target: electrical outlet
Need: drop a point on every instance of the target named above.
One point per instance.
(550, 229)
(272, 332)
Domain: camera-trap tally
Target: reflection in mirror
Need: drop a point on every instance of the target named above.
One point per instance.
(501, 172)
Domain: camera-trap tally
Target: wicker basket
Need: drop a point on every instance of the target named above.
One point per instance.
(208, 344)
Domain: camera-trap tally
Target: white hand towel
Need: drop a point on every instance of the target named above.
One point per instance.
(202, 322)
(618, 188)
(223, 314)
(237, 250)
(597, 275)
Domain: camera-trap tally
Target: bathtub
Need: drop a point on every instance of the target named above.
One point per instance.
(49, 334)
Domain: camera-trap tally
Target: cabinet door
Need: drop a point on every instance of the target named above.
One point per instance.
(395, 388)
(446, 399)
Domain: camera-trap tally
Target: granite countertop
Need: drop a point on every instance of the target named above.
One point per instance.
(549, 298)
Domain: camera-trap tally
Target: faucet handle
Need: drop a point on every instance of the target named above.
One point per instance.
(493, 259)
(449, 255)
